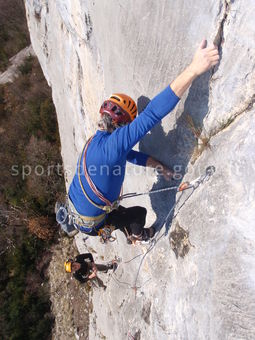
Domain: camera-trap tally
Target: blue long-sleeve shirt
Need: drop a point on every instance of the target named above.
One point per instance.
(108, 152)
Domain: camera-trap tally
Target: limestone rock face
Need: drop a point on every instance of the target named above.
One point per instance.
(89, 49)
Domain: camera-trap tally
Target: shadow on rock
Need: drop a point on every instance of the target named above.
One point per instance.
(175, 148)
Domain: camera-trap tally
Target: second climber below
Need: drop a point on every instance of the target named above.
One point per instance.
(93, 194)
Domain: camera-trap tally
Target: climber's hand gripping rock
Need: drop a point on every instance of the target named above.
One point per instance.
(204, 58)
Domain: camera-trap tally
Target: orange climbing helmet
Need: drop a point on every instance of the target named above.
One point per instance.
(120, 107)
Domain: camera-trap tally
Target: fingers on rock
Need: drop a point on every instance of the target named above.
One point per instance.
(203, 44)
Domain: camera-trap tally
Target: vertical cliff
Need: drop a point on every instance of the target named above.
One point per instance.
(89, 49)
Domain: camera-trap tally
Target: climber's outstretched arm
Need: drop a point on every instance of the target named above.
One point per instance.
(204, 59)
(122, 140)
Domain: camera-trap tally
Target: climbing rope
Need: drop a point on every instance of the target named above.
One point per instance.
(135, 194)
(184, 186)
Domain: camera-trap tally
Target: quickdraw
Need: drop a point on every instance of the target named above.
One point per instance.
(106, 234)
(183, 186)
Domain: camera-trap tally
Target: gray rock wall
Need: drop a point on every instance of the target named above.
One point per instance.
(89, 49)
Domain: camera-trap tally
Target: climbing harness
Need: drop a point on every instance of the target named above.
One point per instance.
(71, 221)
(82, 220)
(87, 226)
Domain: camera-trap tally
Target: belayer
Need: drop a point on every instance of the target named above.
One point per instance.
(96, 187)
(84, 268)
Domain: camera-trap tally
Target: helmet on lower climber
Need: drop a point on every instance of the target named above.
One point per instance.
(68, 266)
(120, 107)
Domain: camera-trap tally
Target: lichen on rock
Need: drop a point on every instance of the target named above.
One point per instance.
(179, 241)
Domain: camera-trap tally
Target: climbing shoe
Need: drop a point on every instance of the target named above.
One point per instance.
(113, 265)
(148, 234)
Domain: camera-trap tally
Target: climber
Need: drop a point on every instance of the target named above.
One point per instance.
(84, 268)
(96, 187)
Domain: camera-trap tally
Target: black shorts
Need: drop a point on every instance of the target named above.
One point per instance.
(131, 220)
